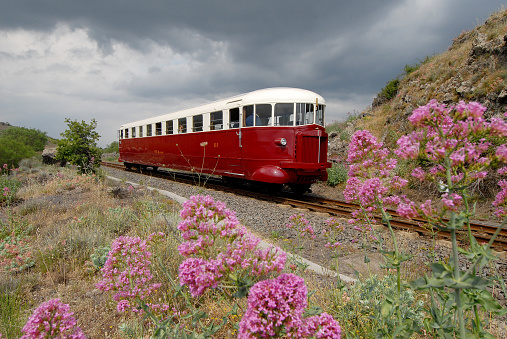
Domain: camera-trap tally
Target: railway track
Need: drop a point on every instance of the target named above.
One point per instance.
(482, 231)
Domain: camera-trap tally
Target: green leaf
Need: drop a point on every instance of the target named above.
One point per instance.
(314, 310)
(386, 308)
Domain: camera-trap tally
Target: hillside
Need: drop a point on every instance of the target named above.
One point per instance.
(474, 68)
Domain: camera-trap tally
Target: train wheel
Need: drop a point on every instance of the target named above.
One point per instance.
(300, 189)
(128, 165)
(272, 188)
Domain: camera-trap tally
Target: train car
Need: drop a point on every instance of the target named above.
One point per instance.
(274, 136)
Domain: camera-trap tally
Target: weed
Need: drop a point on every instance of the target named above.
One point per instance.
(337, 174)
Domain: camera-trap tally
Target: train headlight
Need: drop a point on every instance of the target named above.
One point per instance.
(281, 141)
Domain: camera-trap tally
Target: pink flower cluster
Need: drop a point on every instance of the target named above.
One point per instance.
(275, 310)
(216, 246)
(301, 225)
(454, 133)
(451, 139)
(52, 319)
(501, 200)
(371, 183)
(334, 228)
(127, 271)
(15, 254)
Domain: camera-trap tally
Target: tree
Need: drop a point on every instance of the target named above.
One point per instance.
(79, 145)
(112, 147)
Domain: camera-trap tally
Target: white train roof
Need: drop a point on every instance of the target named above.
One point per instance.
(267, 95)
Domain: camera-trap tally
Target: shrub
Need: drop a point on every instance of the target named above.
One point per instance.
(390, 90)
(359, 307)
(337, 174)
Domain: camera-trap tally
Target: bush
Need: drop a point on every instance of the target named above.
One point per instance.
(360, 306)
(390, 90)
(336, 174)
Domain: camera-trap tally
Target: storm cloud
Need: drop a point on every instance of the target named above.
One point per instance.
(118, 61)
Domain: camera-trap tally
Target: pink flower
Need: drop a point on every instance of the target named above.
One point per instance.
(52, 319)
(407, 210)
(273, 306)
(276, 307)
(217, 246)
(322, 326)
(127, 272)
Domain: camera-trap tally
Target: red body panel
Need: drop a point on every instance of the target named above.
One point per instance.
(250, 153)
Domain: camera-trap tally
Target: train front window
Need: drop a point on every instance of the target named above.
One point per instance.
(133, 129)
(182, 125)
(319, 116)
(216, 120)
(169, 127)
(263, 112)
(197, 123)
(234, 118)
(304, 114)
(284, 114)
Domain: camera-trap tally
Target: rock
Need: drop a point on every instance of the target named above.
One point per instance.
(409, 235)
(444, 243)
(48, 157)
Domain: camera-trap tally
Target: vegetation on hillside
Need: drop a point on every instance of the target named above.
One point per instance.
(474, 68)
(17, 143)
(113, 147)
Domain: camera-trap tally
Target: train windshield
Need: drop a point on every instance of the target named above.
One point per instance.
(304, 114)
(284, 114)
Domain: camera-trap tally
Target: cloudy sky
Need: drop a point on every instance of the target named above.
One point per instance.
(123, 60)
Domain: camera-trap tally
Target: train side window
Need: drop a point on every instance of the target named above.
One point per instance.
(158, 128)
(216, 120)
(126, 132)
(248, 116)
(263, 112)
(148, 130)
(234, 118)
(169, 129)
(319, 115)
(133, 132)
(140, 131)
(182, 125)
(197, 123)
(284, 114)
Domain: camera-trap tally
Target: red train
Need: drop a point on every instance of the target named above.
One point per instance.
(274, 136)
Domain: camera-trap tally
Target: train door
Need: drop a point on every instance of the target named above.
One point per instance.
(234, 150)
